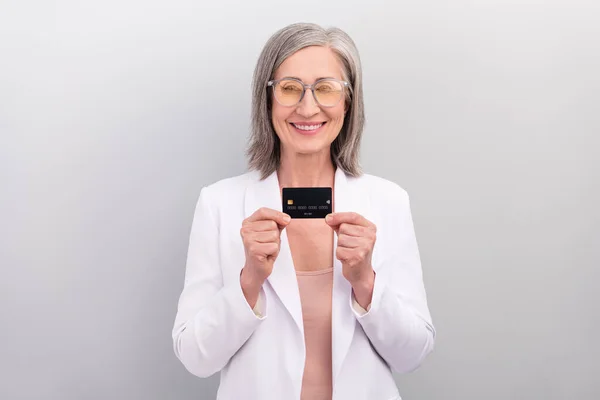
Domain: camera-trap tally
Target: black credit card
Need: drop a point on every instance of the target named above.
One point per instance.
(309, 202)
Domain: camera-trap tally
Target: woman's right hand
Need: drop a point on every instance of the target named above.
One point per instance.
(261, 236)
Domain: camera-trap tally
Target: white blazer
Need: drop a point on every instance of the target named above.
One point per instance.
(261, 357)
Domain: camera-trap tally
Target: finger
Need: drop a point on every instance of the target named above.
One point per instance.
(343, 253)
(354, 230)
(353, 218)
(263, 250)
(250, 228)
(350, 242)
(264, 237)
(265, 213)
(265, 225)
(351, 256)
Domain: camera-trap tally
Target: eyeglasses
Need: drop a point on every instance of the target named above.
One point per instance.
(327, 92)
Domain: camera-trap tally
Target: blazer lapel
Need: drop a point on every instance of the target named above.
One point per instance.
(283, 280)
(346, 199)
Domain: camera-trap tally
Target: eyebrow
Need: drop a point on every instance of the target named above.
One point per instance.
(294, 77)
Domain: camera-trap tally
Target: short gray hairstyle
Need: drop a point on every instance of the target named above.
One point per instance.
(264, 146)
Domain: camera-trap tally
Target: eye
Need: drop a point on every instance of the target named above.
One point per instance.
(328, 87)
(290, 88)
(325, 88)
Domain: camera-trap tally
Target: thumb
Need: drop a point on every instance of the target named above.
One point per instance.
(329, 220)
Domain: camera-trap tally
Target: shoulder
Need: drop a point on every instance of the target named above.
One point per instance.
(389, 205)
(231, 184)
(227, 190)
(379, 189)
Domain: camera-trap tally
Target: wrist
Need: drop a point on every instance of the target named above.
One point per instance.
(250, 279)
(251, 285)
(363, 289)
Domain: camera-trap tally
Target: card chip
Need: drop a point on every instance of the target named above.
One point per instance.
(290, 201)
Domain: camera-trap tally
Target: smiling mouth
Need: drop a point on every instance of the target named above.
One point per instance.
(306, 127)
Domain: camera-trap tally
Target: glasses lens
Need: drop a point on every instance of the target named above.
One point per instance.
(288, 92)
(328, 92)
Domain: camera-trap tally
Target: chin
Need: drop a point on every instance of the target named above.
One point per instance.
(310, 149)
(308, 144)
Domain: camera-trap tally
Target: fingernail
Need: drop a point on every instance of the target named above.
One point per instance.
(328, 217)
(286, 218)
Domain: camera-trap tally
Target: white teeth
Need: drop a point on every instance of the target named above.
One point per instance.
(308, 127)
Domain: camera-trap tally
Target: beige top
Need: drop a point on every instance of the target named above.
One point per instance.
(315, 296)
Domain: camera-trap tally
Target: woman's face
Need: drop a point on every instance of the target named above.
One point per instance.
(308, 65)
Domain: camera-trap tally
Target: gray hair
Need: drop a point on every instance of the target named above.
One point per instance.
(264, 146)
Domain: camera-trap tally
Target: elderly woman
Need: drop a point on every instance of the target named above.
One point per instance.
(316, 308)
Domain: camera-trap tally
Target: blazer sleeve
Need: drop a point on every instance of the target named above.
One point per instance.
(398, 322)
(213, 320)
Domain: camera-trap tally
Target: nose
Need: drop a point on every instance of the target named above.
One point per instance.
(308, 106)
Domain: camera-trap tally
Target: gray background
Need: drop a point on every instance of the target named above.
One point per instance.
(114, 114)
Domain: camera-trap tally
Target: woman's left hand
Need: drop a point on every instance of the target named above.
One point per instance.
(356, 239)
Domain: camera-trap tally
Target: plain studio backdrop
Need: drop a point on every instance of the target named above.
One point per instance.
(114, 114)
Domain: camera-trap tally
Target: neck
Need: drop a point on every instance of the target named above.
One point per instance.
(306, 170)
